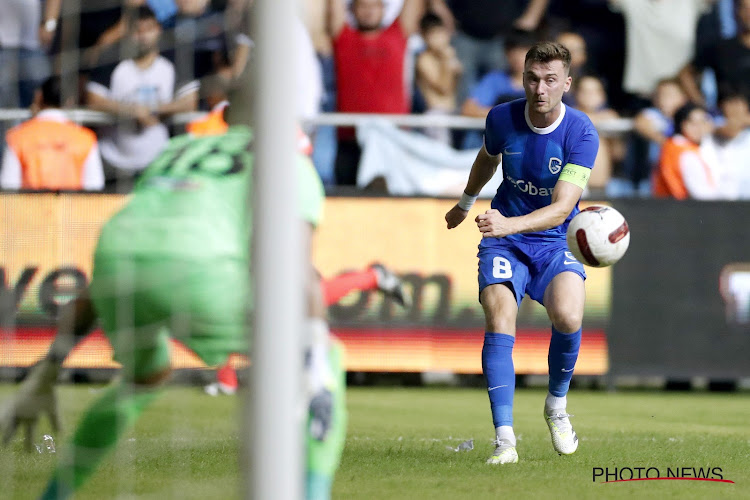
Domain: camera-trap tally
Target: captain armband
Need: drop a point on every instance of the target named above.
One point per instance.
(575, 174)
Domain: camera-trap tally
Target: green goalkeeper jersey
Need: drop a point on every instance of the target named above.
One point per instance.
(192, 200)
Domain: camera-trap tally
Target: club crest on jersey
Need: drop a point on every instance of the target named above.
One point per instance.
(555, 165)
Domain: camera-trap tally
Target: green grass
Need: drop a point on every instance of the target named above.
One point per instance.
(185, 446)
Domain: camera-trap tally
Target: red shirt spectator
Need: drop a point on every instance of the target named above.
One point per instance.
(370, 71)
(370, 62)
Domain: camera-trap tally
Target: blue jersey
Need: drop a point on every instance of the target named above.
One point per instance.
(532, 159)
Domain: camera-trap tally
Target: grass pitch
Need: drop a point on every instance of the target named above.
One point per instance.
(185, 446)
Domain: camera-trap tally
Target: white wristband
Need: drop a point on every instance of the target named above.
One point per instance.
(466, 201)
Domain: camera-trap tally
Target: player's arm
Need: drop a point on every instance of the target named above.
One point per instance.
(567, 192)
(482, 170)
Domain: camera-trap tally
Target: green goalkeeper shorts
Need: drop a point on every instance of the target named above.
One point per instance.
(141, 300)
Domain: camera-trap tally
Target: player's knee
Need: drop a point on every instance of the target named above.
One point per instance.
(499, 324)
(566, 321)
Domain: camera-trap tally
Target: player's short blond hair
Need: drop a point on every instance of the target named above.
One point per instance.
(546, 52)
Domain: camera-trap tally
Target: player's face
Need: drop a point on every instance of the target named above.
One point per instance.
(545, 84)
(368, 14)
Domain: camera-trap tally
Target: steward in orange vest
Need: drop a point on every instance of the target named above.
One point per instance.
(49, 151)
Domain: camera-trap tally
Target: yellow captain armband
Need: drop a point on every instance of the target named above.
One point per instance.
(575, 174)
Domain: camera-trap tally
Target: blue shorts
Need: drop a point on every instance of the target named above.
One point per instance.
(529, 268)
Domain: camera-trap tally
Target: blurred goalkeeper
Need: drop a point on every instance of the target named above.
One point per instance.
(175, 261)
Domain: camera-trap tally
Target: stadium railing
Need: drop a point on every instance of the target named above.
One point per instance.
(88, 117)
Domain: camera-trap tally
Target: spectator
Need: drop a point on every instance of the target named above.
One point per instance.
(215, 93)
(49, 151)
(684, 171)
(578, 59)
(591, 98)
(498, 86)
(660, 40)
(24, 64)
(604, 33)
(730, 144)
(369, 68)
(651, 128)
(482, 26)
(728, 58)
(141, 89)
(438, 70)
(165, 11)
(578, 53)
(201, 43)
(501, 86)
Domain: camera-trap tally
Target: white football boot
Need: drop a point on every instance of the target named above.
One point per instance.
(505, 453)
(564, 438)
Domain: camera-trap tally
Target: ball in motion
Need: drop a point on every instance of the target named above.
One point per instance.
(598, 236)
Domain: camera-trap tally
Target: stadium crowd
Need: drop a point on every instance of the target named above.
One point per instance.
(678, 68)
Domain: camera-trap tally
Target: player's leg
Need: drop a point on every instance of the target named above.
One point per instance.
(111, 416)
(126, 294)
(324, 455)
(559, 286)
(375, 277)
(564, 300)
(502, 280)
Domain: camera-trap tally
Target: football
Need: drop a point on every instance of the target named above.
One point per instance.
(598, 236)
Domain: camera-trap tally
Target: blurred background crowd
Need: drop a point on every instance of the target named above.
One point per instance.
(664, 81)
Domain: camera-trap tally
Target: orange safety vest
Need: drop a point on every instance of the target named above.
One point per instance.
(52, 153)
(214, 124)
(211, 124)
(667, 181)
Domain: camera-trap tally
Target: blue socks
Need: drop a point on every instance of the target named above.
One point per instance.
(563, 353)
(497, 365)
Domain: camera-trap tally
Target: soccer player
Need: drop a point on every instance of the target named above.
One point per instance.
(175, 261)
(547, 152)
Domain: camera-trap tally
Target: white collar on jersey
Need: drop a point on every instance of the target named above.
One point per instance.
(546, 130)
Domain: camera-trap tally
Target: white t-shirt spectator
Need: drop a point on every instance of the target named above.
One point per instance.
(733, 174)
(660, 39)
(133, 148)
